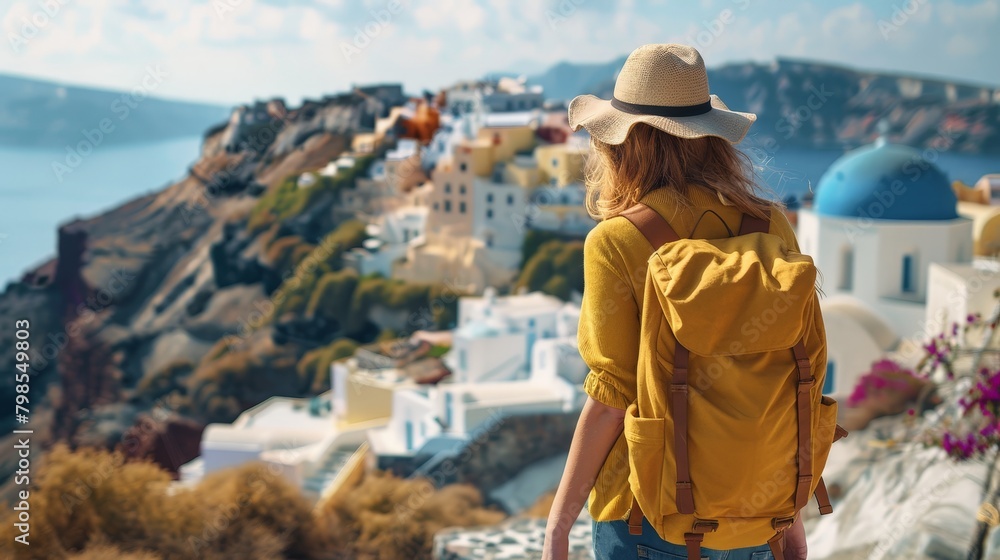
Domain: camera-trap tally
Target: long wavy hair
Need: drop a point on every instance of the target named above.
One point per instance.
(618, 175)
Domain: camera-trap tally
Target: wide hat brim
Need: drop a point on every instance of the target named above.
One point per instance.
(609, 125)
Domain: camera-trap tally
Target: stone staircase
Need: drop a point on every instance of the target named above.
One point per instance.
(328, 468)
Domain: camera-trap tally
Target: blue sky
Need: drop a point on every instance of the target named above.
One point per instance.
(233, 51)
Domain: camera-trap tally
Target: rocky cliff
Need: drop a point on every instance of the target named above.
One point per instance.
(124, 316)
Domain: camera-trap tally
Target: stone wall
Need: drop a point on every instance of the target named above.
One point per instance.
(505, 447)
(497, 453)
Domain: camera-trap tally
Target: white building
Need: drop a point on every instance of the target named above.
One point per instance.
(301, 438)
(882, 215)
(498, 211)
(505, 95)
(510, 355)
(495, 335)
(392, 233)
(855, 338)
(959, 290)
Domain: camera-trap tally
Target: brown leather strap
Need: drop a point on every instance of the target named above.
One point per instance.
(653, 227)
(697, 534)
(840, 433)
(635, 519)
(777, 544)
(679, 403)
(823, 498)
(804, 405)
(693, 541)
(753, 224)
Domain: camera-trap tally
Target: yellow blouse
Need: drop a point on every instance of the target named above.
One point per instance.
(614, 260)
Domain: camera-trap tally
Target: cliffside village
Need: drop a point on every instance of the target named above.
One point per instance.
(464, 177)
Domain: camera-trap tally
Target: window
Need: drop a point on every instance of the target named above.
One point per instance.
(489, 213)
(461, 207)
(447, 206)
(847, 268)
(489, 198)
(461, 189)
(436, 206)
(510, 200)
(406, 235)
(909, 278)
(409, 435)
(463, 167)
(447, 188)
(555, 162)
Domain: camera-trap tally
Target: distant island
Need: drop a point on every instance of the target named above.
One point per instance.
(818, 105)
(43, 114)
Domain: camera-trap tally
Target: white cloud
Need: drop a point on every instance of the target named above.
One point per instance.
(464, 15)
(853, 25)
(962, 45)
(259, 48)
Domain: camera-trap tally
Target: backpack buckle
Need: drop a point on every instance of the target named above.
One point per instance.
(705, 526)
(805, 385)
(782, 523)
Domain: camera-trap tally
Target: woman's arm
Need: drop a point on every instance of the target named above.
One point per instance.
(596, 432)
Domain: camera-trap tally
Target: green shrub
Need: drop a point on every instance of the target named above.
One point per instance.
(556, 268)
(533, 240)
(222, 388)
(332, 295)
(314, 367)
(288, 200)
(296, 292)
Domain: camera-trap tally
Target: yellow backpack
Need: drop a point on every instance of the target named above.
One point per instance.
(730, 431)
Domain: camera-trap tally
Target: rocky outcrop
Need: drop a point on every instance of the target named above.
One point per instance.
(505, 446)
(168, 441)
(164, 276)
(229, 266)
(896, 500)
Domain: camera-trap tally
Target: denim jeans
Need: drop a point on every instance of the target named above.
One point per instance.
(613, 542)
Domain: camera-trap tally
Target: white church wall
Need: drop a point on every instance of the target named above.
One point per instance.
(865, 259)
(851, 344)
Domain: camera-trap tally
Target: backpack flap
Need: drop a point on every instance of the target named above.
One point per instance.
(733, 296)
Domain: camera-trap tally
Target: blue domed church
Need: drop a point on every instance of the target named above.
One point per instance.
(881, 215)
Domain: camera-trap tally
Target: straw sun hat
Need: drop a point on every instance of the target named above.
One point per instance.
(664, 86)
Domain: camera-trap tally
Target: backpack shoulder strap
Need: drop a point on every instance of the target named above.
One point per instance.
(753, 224)
(651, 224)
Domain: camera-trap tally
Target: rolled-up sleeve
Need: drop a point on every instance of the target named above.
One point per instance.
(609, 322)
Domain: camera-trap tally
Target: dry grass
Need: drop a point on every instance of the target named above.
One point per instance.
(91, 504)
